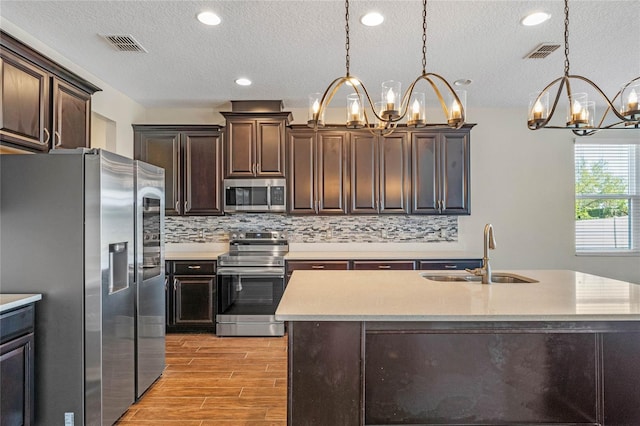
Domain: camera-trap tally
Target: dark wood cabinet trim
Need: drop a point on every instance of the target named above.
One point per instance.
(11, 43)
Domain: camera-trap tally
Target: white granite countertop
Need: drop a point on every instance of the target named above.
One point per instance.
(12, 301)
(559, 295)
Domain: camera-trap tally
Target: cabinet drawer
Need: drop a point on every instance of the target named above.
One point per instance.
(16, 323)
(453, 264)
(306, 265)
(194, 268)
(384, 265)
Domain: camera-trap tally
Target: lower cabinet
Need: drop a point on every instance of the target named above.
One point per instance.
(384, 265)
(452, 264)
(191, 296)
(17, 367)
(313, 265)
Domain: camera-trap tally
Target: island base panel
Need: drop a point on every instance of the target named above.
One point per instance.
(324, 373)
(382, 373)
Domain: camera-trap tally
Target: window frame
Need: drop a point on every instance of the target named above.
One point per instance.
(632, 196)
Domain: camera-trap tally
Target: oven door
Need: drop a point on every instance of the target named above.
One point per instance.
(247, 301)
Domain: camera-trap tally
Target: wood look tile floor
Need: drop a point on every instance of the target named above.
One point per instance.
(209, 380)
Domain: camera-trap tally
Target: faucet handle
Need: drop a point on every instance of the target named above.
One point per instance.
(476, 271)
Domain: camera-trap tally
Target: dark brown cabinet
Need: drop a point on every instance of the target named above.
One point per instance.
(192, 159)
(25, 101)
(317, 172)
(384, 265)
(71, 116)
(440, 172)
(379, 173)
(255, 144)
(315, 265)
(191, 296)
(43, 105)
(452, 264)
(17, 366)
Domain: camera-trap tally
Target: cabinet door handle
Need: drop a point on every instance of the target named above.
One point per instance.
(175, 284)
(166, 283)
(57, 135)
(450, 266)
(186, 206)
(46, 141)
(384, 266)
(253, 169)
(317, 209)
(258, 168)
(194, 266)
(178, 206)
(317, 266)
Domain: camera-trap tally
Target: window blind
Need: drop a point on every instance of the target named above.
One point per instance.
(607, 203)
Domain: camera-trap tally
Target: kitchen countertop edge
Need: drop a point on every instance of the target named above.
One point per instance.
(9, 301)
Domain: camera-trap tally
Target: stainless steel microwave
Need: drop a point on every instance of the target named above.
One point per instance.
(255, 195)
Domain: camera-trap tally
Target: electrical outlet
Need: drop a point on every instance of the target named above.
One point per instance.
(69, 419)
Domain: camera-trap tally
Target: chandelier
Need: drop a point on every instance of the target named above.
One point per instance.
(581, 112)
(382, 117)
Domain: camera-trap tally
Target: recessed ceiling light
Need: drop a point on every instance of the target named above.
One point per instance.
(372, 19)
(209, 18)
(243, 82)
(463, 82)
(536, 18)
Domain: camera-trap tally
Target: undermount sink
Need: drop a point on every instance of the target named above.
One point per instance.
(498, 277)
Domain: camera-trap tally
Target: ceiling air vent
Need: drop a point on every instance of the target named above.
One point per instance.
(542, 51)
(124, 43)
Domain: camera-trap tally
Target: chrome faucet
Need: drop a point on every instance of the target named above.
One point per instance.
(489, 244)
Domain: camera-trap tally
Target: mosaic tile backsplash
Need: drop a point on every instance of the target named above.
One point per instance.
(315, 229)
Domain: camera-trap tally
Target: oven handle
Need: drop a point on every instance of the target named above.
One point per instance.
(251, 272)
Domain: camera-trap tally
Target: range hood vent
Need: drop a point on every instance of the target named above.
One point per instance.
(542, 51)
(124, 43)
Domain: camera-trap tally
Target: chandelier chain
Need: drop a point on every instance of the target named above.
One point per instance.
(566, 37)
(346, 29)
(424, 36)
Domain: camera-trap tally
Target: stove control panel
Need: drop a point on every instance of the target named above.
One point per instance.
(258, 235)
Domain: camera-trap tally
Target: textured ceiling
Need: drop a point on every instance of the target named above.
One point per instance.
(292, 48)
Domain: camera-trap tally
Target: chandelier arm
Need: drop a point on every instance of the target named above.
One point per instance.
(442, 102)
(610, 105)
(328, 95)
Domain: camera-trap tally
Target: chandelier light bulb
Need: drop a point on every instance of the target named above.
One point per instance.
(633, 100)
(537, 110)
(576, 107)
(316, 106)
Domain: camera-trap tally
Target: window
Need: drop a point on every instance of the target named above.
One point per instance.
(607, 205)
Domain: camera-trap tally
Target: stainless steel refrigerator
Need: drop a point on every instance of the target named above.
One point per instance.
(67, 230)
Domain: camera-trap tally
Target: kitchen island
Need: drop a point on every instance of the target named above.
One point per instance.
(392, 347)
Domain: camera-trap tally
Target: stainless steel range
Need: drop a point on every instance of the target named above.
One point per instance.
(250, 283)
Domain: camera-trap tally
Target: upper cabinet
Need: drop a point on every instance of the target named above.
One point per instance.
(191, 157)
(440, 172)
(255, 144)
(410, 171)
(317, 172)
(379, 173)
(43, 105)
